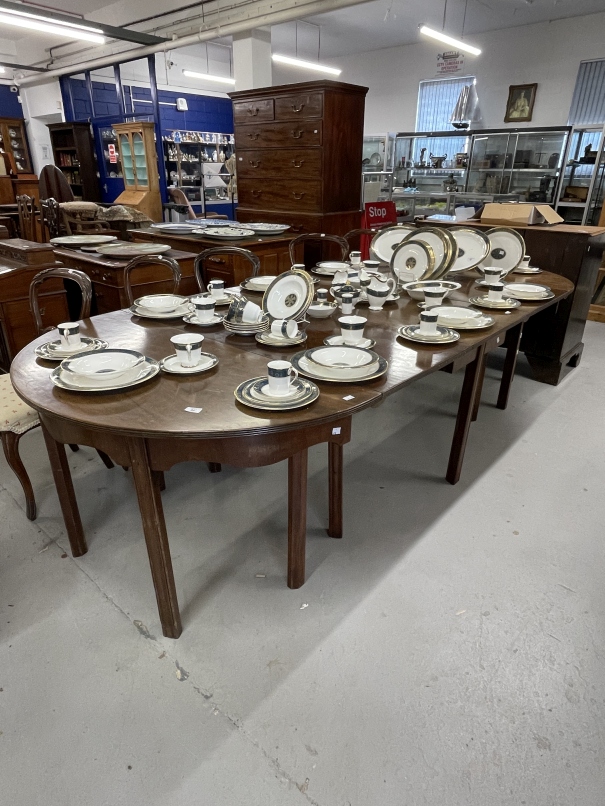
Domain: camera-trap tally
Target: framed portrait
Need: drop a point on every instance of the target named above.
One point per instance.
(520, 104)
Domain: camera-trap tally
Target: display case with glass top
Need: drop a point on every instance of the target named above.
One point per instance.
(580, 196)
(518, 161)
(378, 152)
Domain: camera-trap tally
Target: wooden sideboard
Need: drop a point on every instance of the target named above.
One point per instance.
(20, 261)
(552, 340)
(299, 152)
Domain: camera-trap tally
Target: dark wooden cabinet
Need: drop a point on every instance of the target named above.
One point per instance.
(20, 262)
(299, 149)
(74, 154)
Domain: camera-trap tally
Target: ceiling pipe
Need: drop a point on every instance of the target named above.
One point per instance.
(273, 18)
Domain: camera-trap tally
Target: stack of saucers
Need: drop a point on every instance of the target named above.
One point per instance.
(248, 328)
(104, 370)
(161, 306)
(340, 364)
(245, 318)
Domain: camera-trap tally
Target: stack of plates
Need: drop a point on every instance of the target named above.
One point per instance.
(255, 393)
(260, 283)
(340, 364)
(443, 336)
(224, 233)
(173, 228)
(55, 351)
(126, 251)
(268, 229)
(462, 318)
(161, 306)
(104, 370)
(528, 292)
(247, 328)
(82, 240)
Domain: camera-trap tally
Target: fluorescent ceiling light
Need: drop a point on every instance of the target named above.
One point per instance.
(208, 77)
(33, 22)
(321, 68)
(456, 43)
(2, 70)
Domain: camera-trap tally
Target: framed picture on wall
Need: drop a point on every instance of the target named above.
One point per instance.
(520, 104)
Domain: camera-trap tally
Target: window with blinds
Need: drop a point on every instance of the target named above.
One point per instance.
(436, 102)
(588, 102)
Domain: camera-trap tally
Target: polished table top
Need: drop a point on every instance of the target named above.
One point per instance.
(194, 241)
(104, 261)
(157, 408)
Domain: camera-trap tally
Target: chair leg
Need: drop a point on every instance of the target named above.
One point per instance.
(214, 467)
(106, 460)
(10, 444)
(75, 448)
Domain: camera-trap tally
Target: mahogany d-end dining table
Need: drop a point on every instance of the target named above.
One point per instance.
(173, 419)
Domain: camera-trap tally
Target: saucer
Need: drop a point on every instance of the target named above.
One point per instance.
(496, 304)
(176, 314)
(273, 341)
(172, 364)
(528, 270)
(338, 341)
(444, 335)
(50, 353)
(192, 319)
(226, 300)
(250, 393)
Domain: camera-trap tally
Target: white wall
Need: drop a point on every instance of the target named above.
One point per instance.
(546, 53)
(41, 105)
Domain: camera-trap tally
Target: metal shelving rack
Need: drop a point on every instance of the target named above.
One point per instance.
(582, 186)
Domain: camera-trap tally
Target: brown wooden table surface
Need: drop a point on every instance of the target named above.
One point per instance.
(149, 430)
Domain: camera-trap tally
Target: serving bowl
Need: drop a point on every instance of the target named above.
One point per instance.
(416, 288)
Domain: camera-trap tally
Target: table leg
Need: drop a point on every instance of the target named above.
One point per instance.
(513, 339)
(67, 496)
(479, 388)
(147, 484)
(335, 468)
(297, 518)
(470, 388)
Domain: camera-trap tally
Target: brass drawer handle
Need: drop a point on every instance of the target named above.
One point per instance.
(297, 163)
(253, 135)
(298, 196)
(256, 193)
(253, 111)
(254, 163)
(298, 134)
(298, 107)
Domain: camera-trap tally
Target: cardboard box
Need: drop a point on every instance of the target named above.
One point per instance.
(519, 214)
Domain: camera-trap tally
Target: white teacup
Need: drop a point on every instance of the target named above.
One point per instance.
(217, 288)
(70, 334)
(355, 258)
(495, 291)
(428, 324)
(280, 375)
(372, 265)
(347, 304)
(526, 262)
(284, 328)
(252, 313)
(492, 274)
(433, 297)
(204, 307)
(188, 348)
(351, 328)
(322, 295)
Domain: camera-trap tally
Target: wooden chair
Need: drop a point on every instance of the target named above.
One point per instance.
(16, 417)
(211, 254)
(54, 185)
(50, 218)
(156, 260)
(81, 218)
(26, 205)
(179, 197)
(318, 237)
(351, 237)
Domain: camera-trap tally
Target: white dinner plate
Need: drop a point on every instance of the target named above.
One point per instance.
(317, 372)
(387, 240)
(144, 313)
(443, 245)
(102, 366)
(149, 370)
(506, 249)
(452, 315)
(443, 336)
(289, 295)
(82, 240)
(125, 250)
(415, 257)
(51, 350)
(224, 233)
(268, 229)
(473, 247)
(341, 357)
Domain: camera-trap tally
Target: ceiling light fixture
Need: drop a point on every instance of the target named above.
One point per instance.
(320, 68)
(208, 77)
(2, 70)
(34, 22)
(456, 43)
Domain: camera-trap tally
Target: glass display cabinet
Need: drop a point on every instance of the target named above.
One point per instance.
(378, 152)
(190, 155)
(14, 143)
(519, 161)
(136, 145)
(580, 198)
(431, 162)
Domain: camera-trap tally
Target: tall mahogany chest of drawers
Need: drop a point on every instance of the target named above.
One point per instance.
(299, 150)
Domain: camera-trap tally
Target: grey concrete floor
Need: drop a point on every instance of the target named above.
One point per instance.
(448, 651)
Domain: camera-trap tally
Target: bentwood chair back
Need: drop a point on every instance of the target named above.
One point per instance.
(212, 256)
(352, 236)
(318, 237)
(65, 274)
(26, 205)
(54, 185)
(179, 197)
(151, 260)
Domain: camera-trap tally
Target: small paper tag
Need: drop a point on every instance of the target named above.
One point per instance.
(336, 430)
(193, 409)
(349, 397)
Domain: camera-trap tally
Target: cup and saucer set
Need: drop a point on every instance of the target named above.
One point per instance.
(70, 343)
(280, 390)
(525, 267)
(188, 358)
(204, 313)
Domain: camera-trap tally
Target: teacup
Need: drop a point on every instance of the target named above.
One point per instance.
(433, 297)
(372, 265)
(428, 324)
(299, 266)
(280, 375)
(526, 262)
(70, 334)
(355, 258)
(217, 288)
(188, 348)
(351, 328)
(495, 291)
(204, 307)
(251, 313)
(284, 328)
(347, 304)
(492, 274)
(322, 295)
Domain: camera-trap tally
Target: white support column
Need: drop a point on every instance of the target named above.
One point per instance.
(252, 59)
